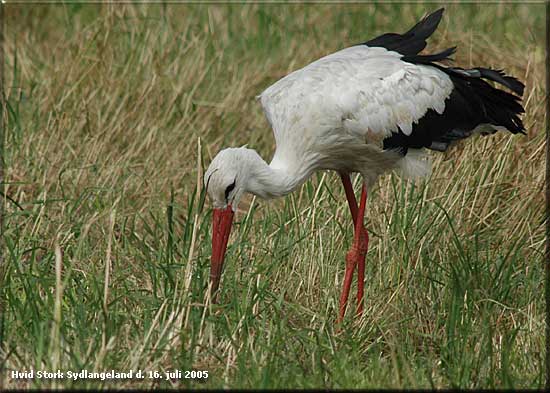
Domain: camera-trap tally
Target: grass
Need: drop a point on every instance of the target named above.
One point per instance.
(113, 114)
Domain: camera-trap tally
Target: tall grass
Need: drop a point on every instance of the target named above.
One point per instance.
(113, 112)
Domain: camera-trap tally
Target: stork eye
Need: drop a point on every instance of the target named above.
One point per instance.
(229, 189)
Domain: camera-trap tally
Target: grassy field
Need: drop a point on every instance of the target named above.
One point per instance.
(113, 114)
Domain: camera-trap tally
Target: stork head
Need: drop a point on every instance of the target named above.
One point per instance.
(226, 177)
(225, 181)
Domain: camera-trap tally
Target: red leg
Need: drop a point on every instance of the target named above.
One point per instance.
(350, 196)
(350, 267)
(350, 263)
(361, 241)
(356, 256)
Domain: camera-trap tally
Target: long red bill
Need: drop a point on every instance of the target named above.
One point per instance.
(221, 228)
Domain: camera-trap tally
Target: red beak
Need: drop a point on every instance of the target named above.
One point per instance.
(221, 227)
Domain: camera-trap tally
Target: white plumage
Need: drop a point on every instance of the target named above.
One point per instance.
(357, 96)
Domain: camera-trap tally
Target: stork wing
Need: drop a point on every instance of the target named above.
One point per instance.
(364, 92)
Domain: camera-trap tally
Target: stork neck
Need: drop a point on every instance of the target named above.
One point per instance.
(274, 180)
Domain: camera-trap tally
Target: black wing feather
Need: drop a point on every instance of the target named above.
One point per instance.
(413, 41)
(472, 102)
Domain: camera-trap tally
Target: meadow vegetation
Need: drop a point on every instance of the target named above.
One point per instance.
(113, 112)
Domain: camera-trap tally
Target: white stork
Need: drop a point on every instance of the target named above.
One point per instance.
(369, 108)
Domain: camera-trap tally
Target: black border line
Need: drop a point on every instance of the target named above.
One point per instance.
(547, 254)
(3, 111)
(3, 123)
